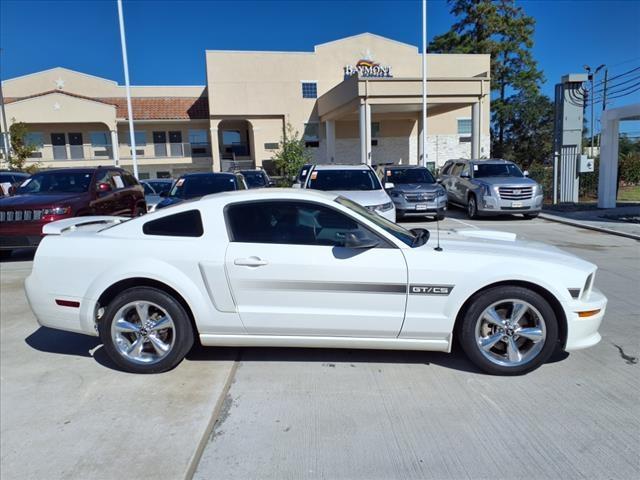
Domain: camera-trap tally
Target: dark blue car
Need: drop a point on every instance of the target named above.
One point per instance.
(196, 185)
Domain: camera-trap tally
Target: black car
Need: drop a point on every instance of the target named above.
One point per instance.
(196, 185)
(257, 178)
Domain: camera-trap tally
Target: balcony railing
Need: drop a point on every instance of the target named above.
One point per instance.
(68, 152)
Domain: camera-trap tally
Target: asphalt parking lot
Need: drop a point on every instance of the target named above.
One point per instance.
(304, 413)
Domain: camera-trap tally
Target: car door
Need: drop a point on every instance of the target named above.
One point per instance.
(105, 202)
(291, 274)
(452, 181)
(464, 183)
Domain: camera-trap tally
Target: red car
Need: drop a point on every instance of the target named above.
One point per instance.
(62, 193)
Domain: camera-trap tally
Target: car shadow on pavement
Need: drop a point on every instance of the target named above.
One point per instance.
(68, 343)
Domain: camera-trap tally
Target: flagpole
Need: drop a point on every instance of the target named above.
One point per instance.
(132, 137)
(424, 83)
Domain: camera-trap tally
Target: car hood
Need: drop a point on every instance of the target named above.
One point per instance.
(417, 187)
(366, 198)
(507, 246)
(512, 181)
(39, 200)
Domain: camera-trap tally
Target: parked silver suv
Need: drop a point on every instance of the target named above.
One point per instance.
(491, 187)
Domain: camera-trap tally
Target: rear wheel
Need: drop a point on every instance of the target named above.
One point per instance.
(145, 330)
(472, 207)
(509, 330)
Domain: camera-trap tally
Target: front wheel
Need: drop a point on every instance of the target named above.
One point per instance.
(145, 330)
(508, 330)
(472, 207)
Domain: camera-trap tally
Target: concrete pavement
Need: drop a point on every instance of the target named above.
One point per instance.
(349, 414)
(66, 413)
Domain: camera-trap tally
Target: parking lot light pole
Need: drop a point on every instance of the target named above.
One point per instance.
(132, 137)
(424, 83)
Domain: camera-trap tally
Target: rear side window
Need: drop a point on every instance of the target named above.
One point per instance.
(183, 224)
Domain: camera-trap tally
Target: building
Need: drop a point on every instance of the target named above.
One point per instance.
(356, 99)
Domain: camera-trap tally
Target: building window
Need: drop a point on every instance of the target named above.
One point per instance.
(35, 139)
(198, 142)
(100, 139)
(311, 136)
(140, 137)
(464, 126)
(309, 90)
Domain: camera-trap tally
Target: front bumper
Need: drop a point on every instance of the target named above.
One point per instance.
(582, 332)
(406, 208)
(493, 205)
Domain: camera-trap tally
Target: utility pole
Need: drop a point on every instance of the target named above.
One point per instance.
(604, 93)
(592, 79)
(132, 137)
(5, 129)
(424, 83)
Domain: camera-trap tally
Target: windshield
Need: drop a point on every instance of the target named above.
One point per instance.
(481, 170)
(198, 186)
(160, 187)
(410, 175)
(254, 179)
(147, 189)
(344, 180)
(57, 182)
(394, 229)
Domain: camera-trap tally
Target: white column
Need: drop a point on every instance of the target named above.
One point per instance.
(608, 178)
(330, 130)
(115, 148)
(421, 143)
(475, 130)
(215, 148)
(368, 131)
(363, 133)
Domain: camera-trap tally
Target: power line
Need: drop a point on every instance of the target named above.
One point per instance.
(617, 76)
(616, 94)
(607, 86)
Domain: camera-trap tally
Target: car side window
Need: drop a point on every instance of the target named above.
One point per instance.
(455, 171)
(183, 224)
(129, 180)
(292, 223)
(103, 176)
(465, 169)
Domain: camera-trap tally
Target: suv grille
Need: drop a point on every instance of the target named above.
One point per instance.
(516, 193)
(419, 197)
(20, 215)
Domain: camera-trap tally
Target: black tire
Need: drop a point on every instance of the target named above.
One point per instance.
(530, 216)
(5, 254)
(182, 332)
(140, 210)
(472, 207)
(466, 330)
(440, 216)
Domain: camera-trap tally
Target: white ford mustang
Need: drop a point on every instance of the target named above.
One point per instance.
(302, 268)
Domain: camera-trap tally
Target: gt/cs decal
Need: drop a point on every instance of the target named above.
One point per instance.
(430, 289)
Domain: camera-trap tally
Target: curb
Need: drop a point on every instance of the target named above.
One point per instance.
(575, 223)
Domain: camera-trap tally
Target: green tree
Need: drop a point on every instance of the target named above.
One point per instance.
(20, 149)
(528, 131)
(291, 155)
(501, 29)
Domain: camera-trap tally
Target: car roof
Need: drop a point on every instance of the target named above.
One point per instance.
(404, 167)
(359, 166)
(162, 180)
(209, 174)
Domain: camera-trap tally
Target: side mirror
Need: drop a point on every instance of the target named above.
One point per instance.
(526, 173)
(438, 180)
(389, 185)
(352, 241)
(272, 183)
(104, 187)
(164, 194)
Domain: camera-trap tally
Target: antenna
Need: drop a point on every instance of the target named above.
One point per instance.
(438, 247)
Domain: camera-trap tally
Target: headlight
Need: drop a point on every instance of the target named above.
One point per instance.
(442, 194)
(485, 189)
(56, 211)
(384, 207)
(540, 190)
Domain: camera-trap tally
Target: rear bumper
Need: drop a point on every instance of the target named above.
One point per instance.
(582, 332)
(49, 314)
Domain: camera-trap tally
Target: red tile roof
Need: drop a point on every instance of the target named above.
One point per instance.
(145, 108)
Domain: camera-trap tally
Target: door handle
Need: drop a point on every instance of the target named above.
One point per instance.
(250, 262)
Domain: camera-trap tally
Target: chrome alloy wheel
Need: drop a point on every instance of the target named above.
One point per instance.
(510, 332)
(143, 332)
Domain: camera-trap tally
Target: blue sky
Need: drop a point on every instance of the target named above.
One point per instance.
(166, 40)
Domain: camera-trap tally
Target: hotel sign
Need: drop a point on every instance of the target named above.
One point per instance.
(367, 68)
